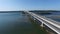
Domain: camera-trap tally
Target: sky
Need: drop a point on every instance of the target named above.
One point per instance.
(14, 5)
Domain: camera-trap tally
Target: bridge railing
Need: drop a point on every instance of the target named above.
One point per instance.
(54, 25)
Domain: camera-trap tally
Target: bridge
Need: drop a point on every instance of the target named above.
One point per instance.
(53, 25)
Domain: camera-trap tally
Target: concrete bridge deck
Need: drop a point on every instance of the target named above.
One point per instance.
(55, 26)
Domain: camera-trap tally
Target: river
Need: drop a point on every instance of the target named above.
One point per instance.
(17, 23)
(55, 15)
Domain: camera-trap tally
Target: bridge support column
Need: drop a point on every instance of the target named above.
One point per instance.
(42, 25)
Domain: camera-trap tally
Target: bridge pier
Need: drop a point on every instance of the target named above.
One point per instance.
(42, 24)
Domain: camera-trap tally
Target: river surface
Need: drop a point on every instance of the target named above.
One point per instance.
(54, 15)
(14, 23)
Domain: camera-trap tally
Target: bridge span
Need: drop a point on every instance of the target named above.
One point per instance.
(53, 25)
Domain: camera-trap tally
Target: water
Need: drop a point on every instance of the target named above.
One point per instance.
(14, 23)
(54, 15)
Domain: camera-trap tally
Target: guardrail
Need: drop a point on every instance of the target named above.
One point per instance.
(54, 25)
